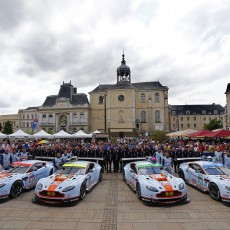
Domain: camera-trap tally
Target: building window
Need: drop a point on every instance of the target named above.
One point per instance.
(187, 118)
(157, 116)
(181, 118)
(204, 118)
(142, 97)
(23, 116)
(174, 113)
(100, 100)
(143, 116)
(43, 118)
(215, 112)
(28, 116)
(23, 124)
(188, 125)
(188, 112)
(27, 124)
(182, 126)
(121, 116)
(157, 97)
(174, 126)
(82, 117)
(194, 125)
(50, 118)
(203, 112)
(174, 119)
(74, 118)
(32, 116)
(194, 118)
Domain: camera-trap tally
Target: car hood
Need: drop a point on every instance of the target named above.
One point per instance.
(7, 177)
(162, 181)
(225, 179)
(58, 182)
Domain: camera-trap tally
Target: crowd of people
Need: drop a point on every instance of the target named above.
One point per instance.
(110, 153)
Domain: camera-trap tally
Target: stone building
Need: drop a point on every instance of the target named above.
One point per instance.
(129, 109)
(184, 117)
(68, 110)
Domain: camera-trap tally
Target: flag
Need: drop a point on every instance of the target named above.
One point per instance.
(34, 124)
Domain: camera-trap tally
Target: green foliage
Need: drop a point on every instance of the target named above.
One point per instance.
(8, 128)
(50, 131)
(0, 126)
(158, 135)
(213, 124)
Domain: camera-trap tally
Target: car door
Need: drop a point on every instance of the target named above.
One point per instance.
(132, 171)
(192, 173)
(90, 173)
(38, 169)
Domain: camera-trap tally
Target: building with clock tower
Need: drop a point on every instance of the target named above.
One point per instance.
(129, 109)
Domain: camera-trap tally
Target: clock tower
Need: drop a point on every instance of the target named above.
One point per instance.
(123, 71)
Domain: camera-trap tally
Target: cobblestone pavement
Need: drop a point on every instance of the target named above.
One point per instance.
(113, 205)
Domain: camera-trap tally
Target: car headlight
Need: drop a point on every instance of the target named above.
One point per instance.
(227, 187)
(150, 188)
(2, 185)
(181, 186)
(39, 186)
(67, 189)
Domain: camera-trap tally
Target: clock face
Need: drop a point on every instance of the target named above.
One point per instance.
(121, 98)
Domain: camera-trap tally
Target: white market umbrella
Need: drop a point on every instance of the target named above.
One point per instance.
(62, 134)
(182, 133)
(42, 134)
(19, 134)
(96, 131)
(81, 134)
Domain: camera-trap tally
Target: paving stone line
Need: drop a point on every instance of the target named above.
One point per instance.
(109, 220)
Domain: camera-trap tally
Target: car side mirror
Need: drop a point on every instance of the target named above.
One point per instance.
(161, 168)
(132, 171)
(91, 166)
(34, 169)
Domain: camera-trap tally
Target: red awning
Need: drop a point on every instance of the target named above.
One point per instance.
(201, 133)
(220, 133)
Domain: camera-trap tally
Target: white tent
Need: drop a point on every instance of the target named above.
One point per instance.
(96, 131)
(62, 134)
(2, 135)
(42, 134)
(182, 133)
(19, 134)
(81, 134)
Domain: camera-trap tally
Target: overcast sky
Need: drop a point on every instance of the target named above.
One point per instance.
(185, 44)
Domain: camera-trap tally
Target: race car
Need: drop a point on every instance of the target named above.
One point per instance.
(208, 177)
(68, 184)
(22, 175)
(154, 185)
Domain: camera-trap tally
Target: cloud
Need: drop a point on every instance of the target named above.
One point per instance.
(184, 44)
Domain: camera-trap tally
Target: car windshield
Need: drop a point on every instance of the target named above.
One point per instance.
(16, 169)
(71, 170)
(213, 171)
(149, 170)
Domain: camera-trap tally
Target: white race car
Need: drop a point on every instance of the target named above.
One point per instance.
(68, 184)
(22, 175)
(152, 184)
(207, 177)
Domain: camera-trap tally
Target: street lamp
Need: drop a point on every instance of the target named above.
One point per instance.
(104, 97)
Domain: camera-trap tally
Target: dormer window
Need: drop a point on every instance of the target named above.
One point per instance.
(215, 112)
(187, 112)
(142, 97)
(204, 112)
(100, 100)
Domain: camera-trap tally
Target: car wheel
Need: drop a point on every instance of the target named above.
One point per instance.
(82, 191)
(16, 189)
(214, 191)
(138, 191)
(181, 174)
(100, 176)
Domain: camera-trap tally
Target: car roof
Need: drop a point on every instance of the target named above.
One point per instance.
(206, 163)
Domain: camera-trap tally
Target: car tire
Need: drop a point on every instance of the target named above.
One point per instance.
(138, 191)
(16, 189)
(214, 191)
(181, 174)
(100, 176)
(82, 191)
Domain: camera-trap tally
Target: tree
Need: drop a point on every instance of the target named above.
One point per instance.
(0, 126)
(213, 124)
(158, 135)
(8, 128)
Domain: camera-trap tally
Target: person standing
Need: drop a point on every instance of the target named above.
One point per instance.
(6, 159)
(58, 161)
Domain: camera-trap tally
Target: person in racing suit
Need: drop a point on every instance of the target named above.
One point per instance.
(219, 156)
(167, 162)
(227, 160)
(6, 159)
(15, 156)
(66, 156)
(158, 155)
(58, 161)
